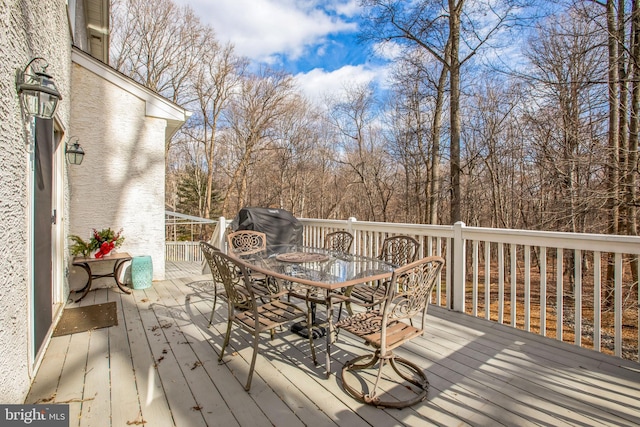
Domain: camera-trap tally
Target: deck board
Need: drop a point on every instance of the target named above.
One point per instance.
(479, 372)
(161, 330)
(96, 393)
(159, 366)
(272, 406)
(154, 407)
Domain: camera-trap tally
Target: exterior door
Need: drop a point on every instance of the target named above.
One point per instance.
(43, 219)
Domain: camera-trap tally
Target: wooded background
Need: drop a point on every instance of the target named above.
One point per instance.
(509, 114)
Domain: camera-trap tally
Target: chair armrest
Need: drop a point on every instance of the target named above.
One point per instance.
(263, 292)
(341, 298)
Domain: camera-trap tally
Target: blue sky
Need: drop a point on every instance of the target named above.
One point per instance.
(314, 40)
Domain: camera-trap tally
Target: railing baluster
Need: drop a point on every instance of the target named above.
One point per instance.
(559, 296)
(618, 305)
(487, 280)
(543, 291)
(577, 297)
(514, 285)
(458, 273)
(527, 288)
(474, 297)
(597, 300)
(500, 282)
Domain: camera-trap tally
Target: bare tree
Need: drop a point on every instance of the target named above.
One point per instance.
(158, 44)
(212, 83)
(417, 106)
(353, 116)
(495, 161)
(567, 62)
(438, 28)
(296, 136)
(261, 100)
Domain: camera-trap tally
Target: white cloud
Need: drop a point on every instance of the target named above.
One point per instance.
(317, 84)
(347, 8)
(260, 29)
(388, 50)
(266, 30)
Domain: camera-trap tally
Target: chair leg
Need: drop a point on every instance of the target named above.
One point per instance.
(347, 303)
(310, 333)
(371, 397)
(256, 338)
(213, 309)
(419, 380)
(339, 311)
(226, 340)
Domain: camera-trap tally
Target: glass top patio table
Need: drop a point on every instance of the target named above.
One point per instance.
(320, 268)
(317, 267)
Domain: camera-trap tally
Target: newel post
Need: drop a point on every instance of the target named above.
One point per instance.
(217, 239)
(352, 220)
(458, 268)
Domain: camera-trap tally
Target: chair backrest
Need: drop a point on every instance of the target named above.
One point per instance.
(399, 250)
(232, 278)
(207, 250)
(409, 292)
(338, 241)
(247, 241)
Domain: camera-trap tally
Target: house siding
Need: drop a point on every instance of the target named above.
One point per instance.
(30, 29)
(120, 184)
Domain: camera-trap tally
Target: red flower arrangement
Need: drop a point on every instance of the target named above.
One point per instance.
(105, 240)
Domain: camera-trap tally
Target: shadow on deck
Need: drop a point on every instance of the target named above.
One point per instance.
(158, 367)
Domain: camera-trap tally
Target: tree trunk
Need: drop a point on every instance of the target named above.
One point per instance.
(632, 160)
(455, 8)
(434, 191)
(613, 171)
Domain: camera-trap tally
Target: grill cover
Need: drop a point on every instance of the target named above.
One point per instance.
(280, 226)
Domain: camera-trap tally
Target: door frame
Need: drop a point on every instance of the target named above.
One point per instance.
(58, 296)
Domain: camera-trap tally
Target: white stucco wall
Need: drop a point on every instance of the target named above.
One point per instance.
(120, 183)
(30, 28)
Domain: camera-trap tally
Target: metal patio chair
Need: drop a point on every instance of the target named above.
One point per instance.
(207, 249)
(246, 241)
(386, 328)
(339, 241)
(396, 250)
(251, 307)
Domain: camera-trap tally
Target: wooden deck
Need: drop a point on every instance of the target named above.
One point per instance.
(158, 367)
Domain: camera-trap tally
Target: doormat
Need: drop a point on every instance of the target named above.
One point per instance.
(82, 319)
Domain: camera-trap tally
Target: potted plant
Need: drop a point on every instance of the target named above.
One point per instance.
(79, 246)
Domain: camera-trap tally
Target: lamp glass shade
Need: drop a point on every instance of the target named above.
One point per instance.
(39, 95)
(75, 153)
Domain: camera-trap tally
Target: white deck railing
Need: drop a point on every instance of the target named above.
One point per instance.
(594, 300)
(183, 251)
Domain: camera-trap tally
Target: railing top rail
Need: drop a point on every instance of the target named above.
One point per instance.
(399, 228)
(395, 228)
(333, 222)
(555, 239)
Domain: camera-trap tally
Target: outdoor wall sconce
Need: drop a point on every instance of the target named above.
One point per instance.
(37, 89)
(75, 153)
